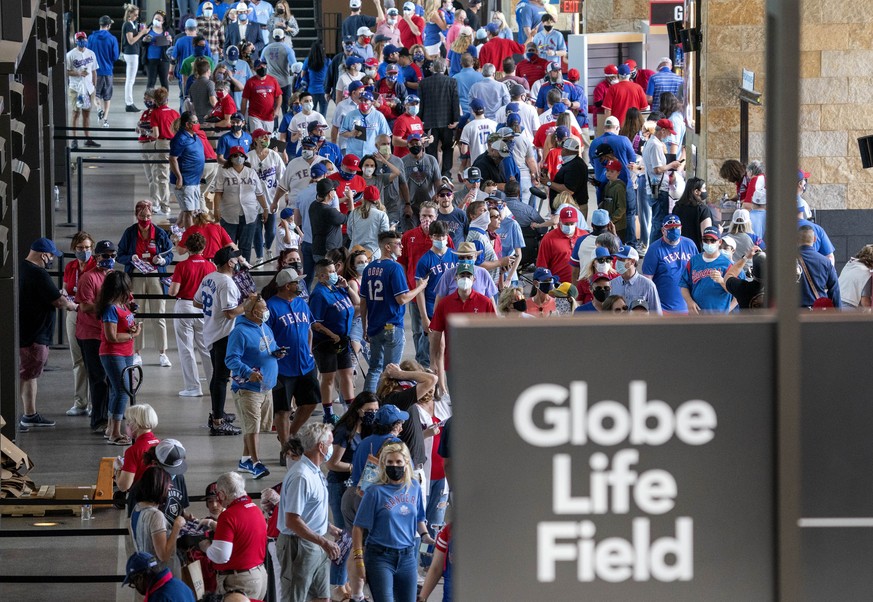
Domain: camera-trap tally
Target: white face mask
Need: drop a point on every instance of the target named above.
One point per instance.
(237, 160)
(307, 106)
(465, 284)
(568, 229)
(307, 154)
(392, 21)
(207, 12)
(157, 23)
(439, 245)
(709, 248)
(369, 171)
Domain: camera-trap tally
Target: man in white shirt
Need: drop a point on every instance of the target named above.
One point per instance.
(296, 176)
(474, 136)
(346, 106)
(298, 128)
(81, 66)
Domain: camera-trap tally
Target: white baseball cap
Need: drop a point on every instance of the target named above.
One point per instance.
(354, 3)
(279, 33)
(242, 7)
(364, 31)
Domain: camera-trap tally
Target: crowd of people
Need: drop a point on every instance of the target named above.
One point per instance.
(366, 212)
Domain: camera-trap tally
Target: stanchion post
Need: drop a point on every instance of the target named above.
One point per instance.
(79, 191)
(68, 186)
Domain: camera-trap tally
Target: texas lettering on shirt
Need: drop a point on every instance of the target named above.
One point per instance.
(294, 317)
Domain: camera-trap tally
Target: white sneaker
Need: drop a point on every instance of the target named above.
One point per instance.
(76, 411)
(106, 123)
(190, 393)
(137, 359)
(165, 361)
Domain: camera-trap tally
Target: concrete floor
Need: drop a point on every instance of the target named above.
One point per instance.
(70, 455)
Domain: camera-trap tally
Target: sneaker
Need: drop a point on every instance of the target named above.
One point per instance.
(259, 471)
(35, 420)
(190, 393)
(229, 417)
(91, 144)
(246, 466)
(106, 123)
(76, 411)
(132, 109)
(100, 114)
(331, 419)
(137, 359)
(74, 145)
(165, 361)
(283, 459)
(224, 428)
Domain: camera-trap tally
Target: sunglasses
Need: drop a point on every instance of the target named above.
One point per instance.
(601, 288)
(445, 195)
(108, 255)
(618, 310)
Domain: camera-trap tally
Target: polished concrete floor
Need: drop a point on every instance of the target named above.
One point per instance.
(69, 454)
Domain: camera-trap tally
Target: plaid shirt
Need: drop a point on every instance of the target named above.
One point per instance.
(663, 81)
(439, 101)
(211, 29)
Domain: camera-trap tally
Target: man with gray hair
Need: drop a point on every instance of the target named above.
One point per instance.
(664, 80)
(303, 547)
(492, 93)
(239, 546)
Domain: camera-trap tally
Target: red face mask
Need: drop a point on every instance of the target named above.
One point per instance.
(366, 40)
(364, 107)
(144, 223)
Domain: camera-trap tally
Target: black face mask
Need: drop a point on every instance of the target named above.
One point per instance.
(368, 418)
(395, 473)
(601, 294)
(414, 149)
(704, 195)
(261, 71)
(519, 305)
(545, 287)
(236, 128)
(548, 27)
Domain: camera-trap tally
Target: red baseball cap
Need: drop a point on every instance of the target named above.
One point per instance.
(613, 165)
(371, 193)
(351, 162)
(568, 214)
(236, 150)
(371, 62)
(631, 63)
(610, 70)
(666, 124)
(258, 133)
(573, 75)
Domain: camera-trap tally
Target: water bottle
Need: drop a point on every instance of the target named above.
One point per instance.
(57, 196)
(86, 508)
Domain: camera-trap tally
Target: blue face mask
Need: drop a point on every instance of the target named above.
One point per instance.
(346, 175)
(81, 43)
(531, 56)
(83, 255)
(333, 277)
(243, 17)
(621, 267)
(199, 50)
(417, 57)
(673, 234)
(107, 264)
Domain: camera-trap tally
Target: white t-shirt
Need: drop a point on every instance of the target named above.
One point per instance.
(475, 135)
(270, 171)
(300, 122)
(217, 294)
(296, 177)
(77, 60)
(653, 156)
(530, 121)
(239, 193)
(346, 78)
(281, 245)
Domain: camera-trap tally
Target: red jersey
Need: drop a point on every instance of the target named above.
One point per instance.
(145, 118)
(597, 97)
(622, 96)
(496, 49)
(162, 117)
(242, 525)
(134, 456)
(437, 465)
(533, 70)
(406, 125)
(642, 78)
(553, 162)
(72, 273)
(476, 303)
(189, 274)
(216, 238)
(549, 128)
(416, 243)
(124, 320)
(407, 38)
(357, 183)
(262, 95)
(88, 325)
(555, 250)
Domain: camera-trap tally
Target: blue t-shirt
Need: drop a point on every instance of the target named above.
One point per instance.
(586, 307)
(188, 151)
(391, 514)
(455, 59)
(434, 266)
(251, 346)
(382, 281)
(510, 236)
(665, 263)
(315, 79)
(332, 308)
(569, 92)
(228, 141)
(457, 223)
(528, 16)
(291, 322)
(408, 74)
(242, 73)
(709, 295)
(822, 243)
(368, 446)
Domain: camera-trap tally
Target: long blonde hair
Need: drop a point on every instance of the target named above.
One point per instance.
(395, 448)
(565, 198)
(430, 8)
(462, 43)
(129, 9)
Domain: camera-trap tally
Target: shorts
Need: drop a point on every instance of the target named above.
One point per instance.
(32, 360)
(256, 123)
(188, 197)
(433, 49)
(327, 361)
(73, 96)
(103, 89)
(304, 389)
(255, 410)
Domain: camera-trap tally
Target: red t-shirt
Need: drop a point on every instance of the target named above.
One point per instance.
(406, 125)
(407, 38)
(145, 243)
(224, 107)
(189, 274)
(88, 325)
(622, 96)
(416, 243)
(242, 525)
(476, 303)
(208, 151)
(134, 456)
(162, 117)
(124, 320)
(496, 49)
(72, 273)
(216, 238)
(532, 70)
(548, 128)
(357, 183)
(443, 538)
(262, 95)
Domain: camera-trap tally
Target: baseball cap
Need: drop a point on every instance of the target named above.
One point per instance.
(208, 5)
(555, 67)
(351, 162)
(288, 275)
(613, 165)
(408, 6)
(103, 246)
(472, 174)
(446, 185)
(466, 30)
(600, 217)
(465, 267)
(515, 90)
(474, 2)
(236, 150)
(570, 144)
(569, 215)
(366, 95)
(392, 68)
(313, 125)
(412, 99)
(414, 136)
(666, 124)
(562, 131)
(802, 175)
(632, 64)
(324, 187)
(506, 132)
(286, 212)
(476, 105)
(317, 170)
(371, 193)
(711, 232)
(672, 221)
(573, 75)
(639, 304)
(352, 59)
(211, 490)
(481, 33)
(348, 40)
(107, 20)
(392, 11)
(81, 35)
(171, 456)
(623, 69)
(259, 133)
(389, 49)
(225, 254)
(467, 248)
(513, 119)
(190, 24)
(232, 53)
(389, 414)
(46, 245)
(532, 47)
(354, 3)
(501, 147)
(599, 276)
(307, 142)
(729, 241)
(543, 275)
(741, 216)
(565, 290)
(139, 562)
(558, 108)
(610, 70)
(355, 85)
(601, 252)
(237, 117)
(513, 106)
(628, 252)
(364, 31)
(492, 28)
(279, 33)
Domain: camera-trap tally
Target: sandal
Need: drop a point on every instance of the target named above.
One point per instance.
(121, 441)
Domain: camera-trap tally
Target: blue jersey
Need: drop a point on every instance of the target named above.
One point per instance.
(510, 236)
(433, 266)
(706, 292)
(457, 223)
(664, 263)
(382, 281)
(292, 149)
(228, 141)
(585, 308)
(529, 16)
(332, 309)
(291, 322)
(569, 92)
(391, 514)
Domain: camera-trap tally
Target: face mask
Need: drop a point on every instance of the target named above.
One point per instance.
(329, 453)
(333, 277)
(439, 245)
(601, 294)
(568, 229)
(236, 129)
(199, 50)
(603, 266)
(243, 17)
(157, 23)
(107, 264)
(545, 287)
(307, 154)
(317, 139)
(621, 267)
(207, 12)
(415, 149)
(395, 473)
(392, 78)
(385, 149)
(365, 40)
(280, 11)
(531, 56)
(307, 106)
(298, 266)
(261, 71)
(81, 43)
(407, 13)
(392, 21)
(265, 316)
(465, 284)
(237, 267)
(219, 77)
(83, 255)
(231, 62)
(345, 175)
(704, 195)
(709, 247)
(727, 253)
(238, 160)
(370, 72)
(364, 107)
(412, 110)
(149, 104)
(673, 234)
(368, 172)
(548, 27)
(519, 305)
(48, 264)
(368, 418)
(417, 57)
(144, 223)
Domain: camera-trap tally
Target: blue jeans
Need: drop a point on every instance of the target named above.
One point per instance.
(114, 366)
(386, 347)
(392, 574)
(660, 207)
(644, 207)
(187, 7)
(242, 234)
(320, 103)
(335, 497)
(419, 337)
(632, 204)
(265, 235)
(435, 511)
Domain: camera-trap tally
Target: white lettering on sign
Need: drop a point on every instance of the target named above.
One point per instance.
(550, 415)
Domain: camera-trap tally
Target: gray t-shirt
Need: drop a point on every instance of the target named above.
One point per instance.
(200, 92)
(422, 177)
(389, 190)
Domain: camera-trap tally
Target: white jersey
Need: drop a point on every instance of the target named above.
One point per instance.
(239, 192)
(475, 135)
(300, 122)
(296, 177)
(529, 118)
(270, 171)
(83, 60)
(217, 293)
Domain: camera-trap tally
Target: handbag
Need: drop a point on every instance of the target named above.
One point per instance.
(821, 302)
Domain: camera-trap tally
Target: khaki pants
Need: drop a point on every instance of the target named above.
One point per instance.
(189, 341)
(210, 170)
(80, 372)
(151, 285)
(158, 175)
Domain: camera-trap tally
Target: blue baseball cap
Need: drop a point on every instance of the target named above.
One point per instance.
(543, 275)
(600, 252)
(600, 217)
(366, 95)
(307, 142)
(712, 232)
(45, 245)
(232, 53)
(558, 108)
(287, 211)
(355, 85)
(512, 108)
(140, 562)
(493, 28)
(389, 414)
(562, 131)
(414, 136)
(477, 105)
(623, 69)
(412, 99)
(317, 170)
(389, 49)
(672, 220)
(352, 59)
(513, 119)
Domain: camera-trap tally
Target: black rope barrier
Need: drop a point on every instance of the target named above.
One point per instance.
(132, 138)
(103, 532)
(61, 578)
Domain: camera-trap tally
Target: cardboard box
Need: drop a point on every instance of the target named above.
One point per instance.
(192, 576)
(13, 457)
(73, 492)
